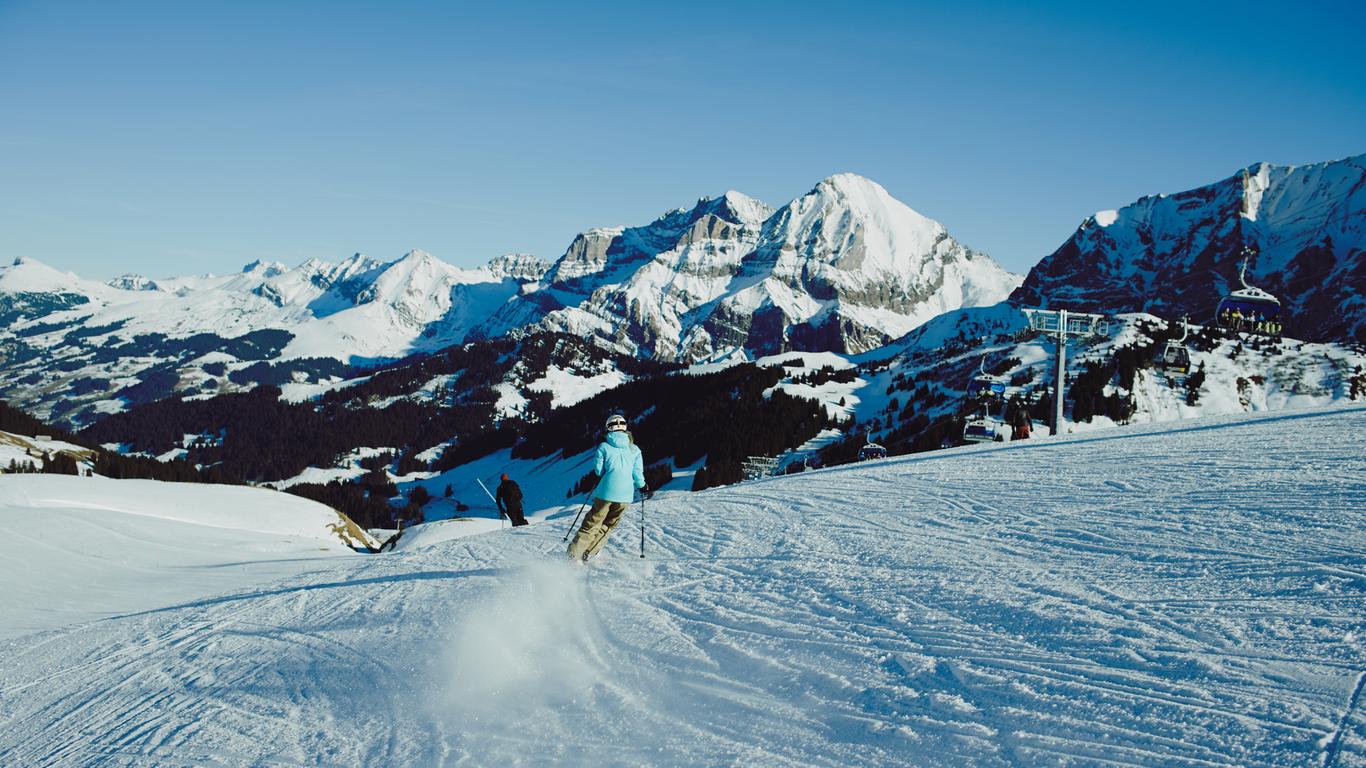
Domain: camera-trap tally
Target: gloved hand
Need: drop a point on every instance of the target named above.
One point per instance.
(647, 493)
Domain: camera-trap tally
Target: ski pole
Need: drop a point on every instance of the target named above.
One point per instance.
(582, 507)
(494, 500)
(642, 525)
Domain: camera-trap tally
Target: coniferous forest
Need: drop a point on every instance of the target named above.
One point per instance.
(437, 412)
(257, 436)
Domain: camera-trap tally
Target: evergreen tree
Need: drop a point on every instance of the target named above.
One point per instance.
(658, 474)
(60, 464)
(1193, 384)
(419, 496)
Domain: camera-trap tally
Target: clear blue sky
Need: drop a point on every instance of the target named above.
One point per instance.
(178, 137)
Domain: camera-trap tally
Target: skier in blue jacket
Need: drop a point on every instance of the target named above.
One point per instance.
(620, 472)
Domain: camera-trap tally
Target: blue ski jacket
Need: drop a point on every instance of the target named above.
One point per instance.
(619, 468)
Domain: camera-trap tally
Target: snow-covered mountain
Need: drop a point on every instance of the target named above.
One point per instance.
(845, 267)
(1178, 254)
(357, 308)
(68, 343)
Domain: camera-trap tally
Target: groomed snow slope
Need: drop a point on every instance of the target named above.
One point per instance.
(1169, 595)
(84, 548)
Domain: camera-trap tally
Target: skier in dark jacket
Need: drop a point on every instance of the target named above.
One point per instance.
(509, 500)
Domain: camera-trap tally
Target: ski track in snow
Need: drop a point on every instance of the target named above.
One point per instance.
(1175, 596)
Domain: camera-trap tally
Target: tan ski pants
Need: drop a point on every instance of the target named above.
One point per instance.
(601, 519)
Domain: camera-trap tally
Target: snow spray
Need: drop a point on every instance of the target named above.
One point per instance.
(528, 645)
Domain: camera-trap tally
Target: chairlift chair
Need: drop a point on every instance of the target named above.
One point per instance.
(872, 451)
(981, 428)
(986, 385)
(1249, 309)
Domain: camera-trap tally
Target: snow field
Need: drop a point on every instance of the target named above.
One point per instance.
(82, 548)
(1166, 595)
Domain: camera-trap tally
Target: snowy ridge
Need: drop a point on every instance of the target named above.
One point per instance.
(131, 282)
(62, 332)
(27, 275)
(1084, 600)
(1177, 254)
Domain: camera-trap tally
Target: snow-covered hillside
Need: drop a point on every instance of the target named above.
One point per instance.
(23, 450)
(85, 548)
(1178, 254)
(1186, 595)
(899, 394)
(1238, 372)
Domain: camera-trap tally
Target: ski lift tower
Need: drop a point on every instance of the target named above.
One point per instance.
(756, 467)
(1062, 324)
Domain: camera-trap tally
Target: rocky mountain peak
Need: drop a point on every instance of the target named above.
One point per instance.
(133, 282)
(845, 267)
(847, 184)
(735, 207)
(264, 269)
(854, 225)
(518, 266)
(417, 256)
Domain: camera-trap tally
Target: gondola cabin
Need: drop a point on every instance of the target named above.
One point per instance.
(1175, 358)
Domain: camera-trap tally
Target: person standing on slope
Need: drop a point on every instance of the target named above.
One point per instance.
(620, 472)
(510, 501)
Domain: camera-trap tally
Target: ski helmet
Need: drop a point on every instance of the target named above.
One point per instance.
(616, 423)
